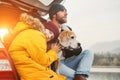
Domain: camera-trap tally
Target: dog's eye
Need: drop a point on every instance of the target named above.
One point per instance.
(72, 37)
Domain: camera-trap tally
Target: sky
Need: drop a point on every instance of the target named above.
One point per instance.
(94, 21)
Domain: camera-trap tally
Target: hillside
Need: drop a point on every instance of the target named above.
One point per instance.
(112, 47)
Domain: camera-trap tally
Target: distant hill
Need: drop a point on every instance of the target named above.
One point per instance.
(112, 47)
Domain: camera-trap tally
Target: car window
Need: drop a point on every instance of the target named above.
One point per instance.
(46, 2)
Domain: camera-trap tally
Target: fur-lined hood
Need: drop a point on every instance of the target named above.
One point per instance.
(28, 22)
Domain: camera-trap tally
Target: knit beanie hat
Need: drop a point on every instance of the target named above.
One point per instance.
(55, 8)
(49, 25)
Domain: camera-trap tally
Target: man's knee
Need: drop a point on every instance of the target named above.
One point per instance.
(88, 53)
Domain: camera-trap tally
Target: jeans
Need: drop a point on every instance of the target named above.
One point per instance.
(80, 64)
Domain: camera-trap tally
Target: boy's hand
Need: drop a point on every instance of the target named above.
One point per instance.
(56, 47)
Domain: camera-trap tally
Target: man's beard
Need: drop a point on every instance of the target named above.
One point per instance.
(60, 20)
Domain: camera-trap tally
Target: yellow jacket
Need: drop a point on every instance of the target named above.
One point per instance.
(28, 51)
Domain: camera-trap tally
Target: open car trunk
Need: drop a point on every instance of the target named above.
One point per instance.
(10, 11)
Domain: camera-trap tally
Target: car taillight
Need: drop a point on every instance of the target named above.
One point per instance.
(5, 65)
(7, 69)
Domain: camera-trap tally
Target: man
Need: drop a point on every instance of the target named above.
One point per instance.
(75, 68)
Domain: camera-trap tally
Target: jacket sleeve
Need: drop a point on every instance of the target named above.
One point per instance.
(37, 47)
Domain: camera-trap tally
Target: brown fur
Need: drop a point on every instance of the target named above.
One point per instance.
(65, 36)
(35, 23)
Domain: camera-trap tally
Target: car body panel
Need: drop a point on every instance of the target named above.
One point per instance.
(7, 68)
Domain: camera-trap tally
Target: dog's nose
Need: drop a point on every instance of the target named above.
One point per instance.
(79, 44)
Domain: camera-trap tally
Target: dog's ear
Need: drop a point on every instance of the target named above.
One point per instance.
(58, 38)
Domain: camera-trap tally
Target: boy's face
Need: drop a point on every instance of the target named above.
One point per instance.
(49, 35)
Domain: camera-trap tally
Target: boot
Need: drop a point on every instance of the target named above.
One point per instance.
(79, 77)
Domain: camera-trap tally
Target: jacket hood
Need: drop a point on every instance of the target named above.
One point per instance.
(20, 26)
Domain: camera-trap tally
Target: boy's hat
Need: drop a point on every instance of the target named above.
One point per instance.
(49, 25)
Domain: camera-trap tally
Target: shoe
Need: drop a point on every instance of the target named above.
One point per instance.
(79, 77)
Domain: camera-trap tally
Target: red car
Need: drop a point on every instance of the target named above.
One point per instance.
(9, 13)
